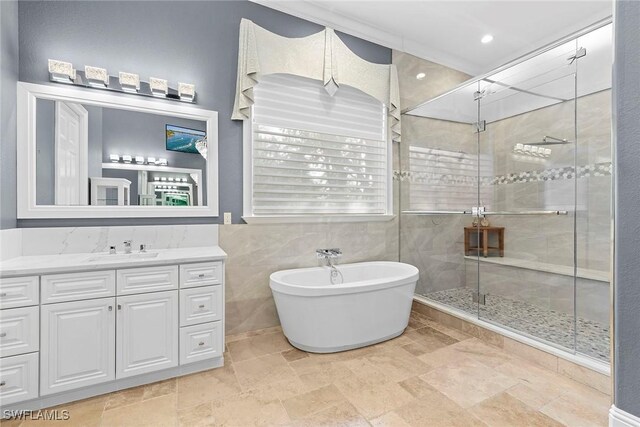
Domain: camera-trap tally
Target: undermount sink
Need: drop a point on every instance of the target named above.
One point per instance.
(122, 257)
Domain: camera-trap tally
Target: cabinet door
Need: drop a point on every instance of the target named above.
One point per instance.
(77, 344)
(147, 333)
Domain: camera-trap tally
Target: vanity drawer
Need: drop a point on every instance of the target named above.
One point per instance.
(201, 274)
(148, 279)
(18, 378)
(19, 292)
(200, 342)
(200, 305)
(19, 330)
(78, 286)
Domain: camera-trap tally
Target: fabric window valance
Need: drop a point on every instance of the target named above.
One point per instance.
(321, 56)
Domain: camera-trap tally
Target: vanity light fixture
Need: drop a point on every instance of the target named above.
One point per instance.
(487, 38)
(162, 162)
(170, 179)
(151, 160)
(62, 72)
(184, 179)
(164, 178)
(126, 158)
(129, 82)
(114, 158)
(156, 178)
(123, 82)
(96, 76)
(159, 87)
(421, 76)
(187, 91)
(140, 160)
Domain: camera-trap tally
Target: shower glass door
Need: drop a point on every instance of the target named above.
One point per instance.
(438, 190)
(527, 158)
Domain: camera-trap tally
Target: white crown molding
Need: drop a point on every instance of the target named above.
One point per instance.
(311, 11)
(620, 418)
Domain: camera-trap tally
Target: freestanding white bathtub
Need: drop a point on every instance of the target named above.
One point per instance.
(371, 305)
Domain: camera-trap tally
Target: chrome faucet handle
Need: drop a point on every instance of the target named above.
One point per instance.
(335, 252)
(143, 247)
(127, 246)
(112, 250)
(328, 253)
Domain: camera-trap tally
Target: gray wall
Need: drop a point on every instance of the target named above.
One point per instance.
(182, 41)
(626, 124)
(8, 79)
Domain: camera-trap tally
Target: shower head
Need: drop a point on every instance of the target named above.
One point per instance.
(551, 140)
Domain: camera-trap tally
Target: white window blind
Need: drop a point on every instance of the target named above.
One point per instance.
(313, 153)
(448, 180)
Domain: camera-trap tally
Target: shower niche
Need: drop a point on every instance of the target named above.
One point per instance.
(526, 148)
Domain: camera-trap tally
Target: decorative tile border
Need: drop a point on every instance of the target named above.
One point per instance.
(552, 174)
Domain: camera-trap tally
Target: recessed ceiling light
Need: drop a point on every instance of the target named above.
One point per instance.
(488, 38)
(420, 76)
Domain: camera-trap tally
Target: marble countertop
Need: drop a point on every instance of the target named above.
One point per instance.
(66, 263)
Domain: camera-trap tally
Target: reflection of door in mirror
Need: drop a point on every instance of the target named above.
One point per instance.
(71, 145)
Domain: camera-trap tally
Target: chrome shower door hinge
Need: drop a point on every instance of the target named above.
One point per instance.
(579, 54)
(480, 126)
(480, 298)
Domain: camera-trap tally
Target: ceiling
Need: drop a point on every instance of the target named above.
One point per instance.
(548, 78)
(449, 32)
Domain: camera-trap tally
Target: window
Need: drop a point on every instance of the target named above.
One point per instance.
(311, 154)
(448, 180)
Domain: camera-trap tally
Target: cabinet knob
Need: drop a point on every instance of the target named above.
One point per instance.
(201, 343)
(3, 334)
(2, 383)
(3, 294)
(110, 308)
(201, 306)
(119, 306)
(201, 275)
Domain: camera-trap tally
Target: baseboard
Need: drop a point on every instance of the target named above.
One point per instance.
(620, 418)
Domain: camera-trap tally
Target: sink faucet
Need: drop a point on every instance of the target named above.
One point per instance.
(127, 246)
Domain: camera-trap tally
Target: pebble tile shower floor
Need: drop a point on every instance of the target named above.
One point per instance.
(429, 376)
(553, 326)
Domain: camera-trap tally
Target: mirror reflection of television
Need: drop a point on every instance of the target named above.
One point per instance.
(183, 139)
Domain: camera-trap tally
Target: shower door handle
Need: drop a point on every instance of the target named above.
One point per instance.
(437, 212)
(527, 213)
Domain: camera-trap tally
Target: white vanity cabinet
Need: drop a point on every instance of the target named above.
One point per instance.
(78, 344)
(98, 331)
(19, 344)
(147, 338)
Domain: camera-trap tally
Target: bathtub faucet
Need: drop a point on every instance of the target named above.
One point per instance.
(329, 255)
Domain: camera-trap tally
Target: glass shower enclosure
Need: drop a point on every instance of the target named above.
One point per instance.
(506, 192)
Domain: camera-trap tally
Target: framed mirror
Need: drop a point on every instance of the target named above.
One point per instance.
(94, 154)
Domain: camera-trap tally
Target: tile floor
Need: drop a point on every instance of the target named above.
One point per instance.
(429, 376)
(550, 325)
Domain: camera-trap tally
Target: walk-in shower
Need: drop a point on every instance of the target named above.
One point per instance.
(527, 148)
